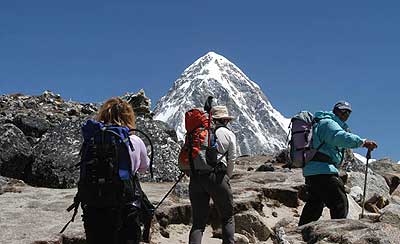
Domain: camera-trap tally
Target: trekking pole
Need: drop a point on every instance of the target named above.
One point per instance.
(170, 190)
(365, 182)
(207, 108)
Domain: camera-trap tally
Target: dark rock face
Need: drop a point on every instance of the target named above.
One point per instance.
(56, 157)
(31, 126)
(15, 152)
(266, 167)
(46, 138)
(40, 138)
(166, 149)
(140, 103)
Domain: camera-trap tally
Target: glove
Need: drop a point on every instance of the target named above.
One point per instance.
(371, 145)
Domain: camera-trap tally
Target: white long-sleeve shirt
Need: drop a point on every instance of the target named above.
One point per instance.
(139, 158)
(226, 142)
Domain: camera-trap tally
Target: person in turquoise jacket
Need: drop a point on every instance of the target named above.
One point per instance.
(331, 135)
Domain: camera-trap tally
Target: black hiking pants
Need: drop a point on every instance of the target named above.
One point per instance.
(112, 226)
(324, 190)
(201, 189)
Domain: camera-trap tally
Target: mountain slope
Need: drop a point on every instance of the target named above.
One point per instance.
(259, 128)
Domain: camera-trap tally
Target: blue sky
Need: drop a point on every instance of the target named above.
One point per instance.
(303, 54)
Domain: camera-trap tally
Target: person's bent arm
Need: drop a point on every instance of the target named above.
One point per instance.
(336, 136)
(144, 159)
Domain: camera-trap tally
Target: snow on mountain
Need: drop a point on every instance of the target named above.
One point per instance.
(259, 127)
(362, 158)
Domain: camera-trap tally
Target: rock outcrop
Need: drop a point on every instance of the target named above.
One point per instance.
(390, 170)
(164, 139)
(343, 231)
(16, 153)
(40, 138)
(376, 184)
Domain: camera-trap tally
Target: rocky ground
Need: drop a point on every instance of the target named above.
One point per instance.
(267, 208)
(39, 145)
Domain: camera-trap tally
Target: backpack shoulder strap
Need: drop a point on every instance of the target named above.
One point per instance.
(190, 151)
(122, 133)
(314, 122)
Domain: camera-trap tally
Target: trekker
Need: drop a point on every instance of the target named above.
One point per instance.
(321, 173)
(118, 226)
(215, 184)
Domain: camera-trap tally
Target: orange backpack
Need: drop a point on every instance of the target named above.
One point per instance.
(196, 151)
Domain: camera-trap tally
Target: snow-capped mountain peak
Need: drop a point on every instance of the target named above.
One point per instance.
(214, 66)
(258, 126)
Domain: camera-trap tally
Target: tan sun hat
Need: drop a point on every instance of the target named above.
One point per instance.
(221, 112)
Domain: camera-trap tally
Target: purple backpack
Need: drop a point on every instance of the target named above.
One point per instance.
(300, 143)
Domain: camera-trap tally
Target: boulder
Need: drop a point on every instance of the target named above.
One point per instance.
(241, 239)
(395, 197)
(31, 125)
(51, 126)
(56, 156)
(349, 232)
(166, 149)
(10, 185)
(15, 152)
(356, 193)
(390, 170)
(354, 208)
(376, 184)
(266, 167)
(140, 103)
(385, 165)
(375, 203)
(392, 180)
(391, 215)
(252, 225)
(282, 157)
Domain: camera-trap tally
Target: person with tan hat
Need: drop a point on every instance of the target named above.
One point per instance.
(215, 184)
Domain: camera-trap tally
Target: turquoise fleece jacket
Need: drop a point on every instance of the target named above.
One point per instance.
(331, 131)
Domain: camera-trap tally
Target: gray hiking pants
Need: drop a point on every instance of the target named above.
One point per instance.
(201, 188)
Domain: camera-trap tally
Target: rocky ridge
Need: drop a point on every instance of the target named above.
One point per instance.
(40, 138)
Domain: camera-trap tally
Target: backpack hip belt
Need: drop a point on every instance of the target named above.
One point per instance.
(322, 157)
